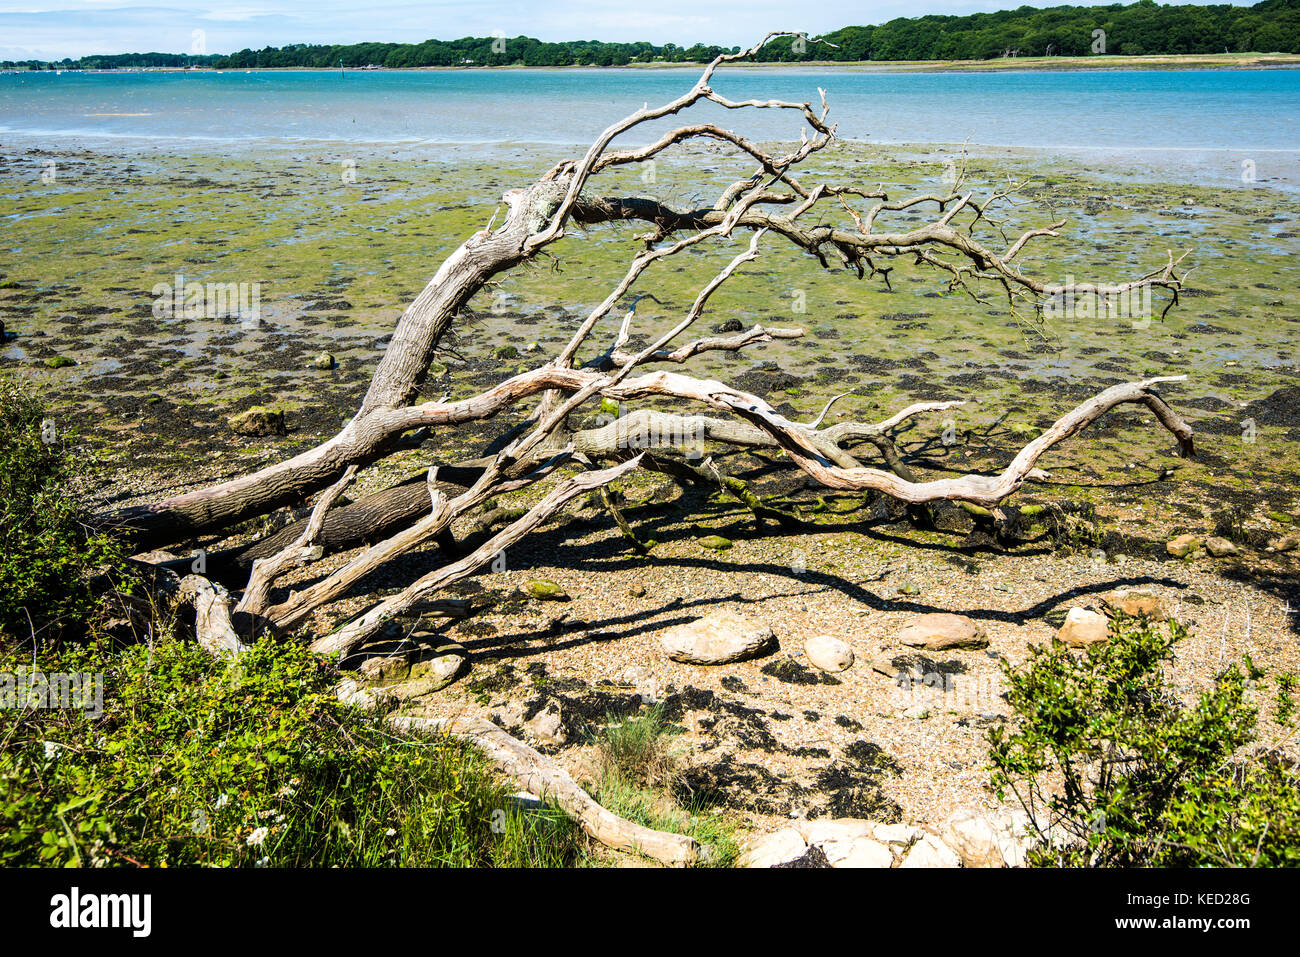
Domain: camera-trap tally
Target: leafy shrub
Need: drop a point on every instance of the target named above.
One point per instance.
(1142, 778)
(46, 553)
(194, 762)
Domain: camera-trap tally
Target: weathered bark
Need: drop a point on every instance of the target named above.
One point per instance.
(369, 519)
(213, 627)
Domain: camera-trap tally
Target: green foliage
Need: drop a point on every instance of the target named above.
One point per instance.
(1286, 686)
(1138, 28)
(197, 763)
(46, 554)
(1143, 778)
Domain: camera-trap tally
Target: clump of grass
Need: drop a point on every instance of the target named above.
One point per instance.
(638, 773)
(661, 811)
(636, 750)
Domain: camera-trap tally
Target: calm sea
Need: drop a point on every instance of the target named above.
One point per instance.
(1211, 117)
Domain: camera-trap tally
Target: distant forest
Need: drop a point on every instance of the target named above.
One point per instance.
(1146, 27)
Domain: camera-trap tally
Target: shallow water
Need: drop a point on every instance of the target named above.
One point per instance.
(1206, 121)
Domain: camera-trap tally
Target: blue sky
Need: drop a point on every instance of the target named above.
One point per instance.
(53, 29)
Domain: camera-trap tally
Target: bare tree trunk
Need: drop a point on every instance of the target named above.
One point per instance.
(772, 202)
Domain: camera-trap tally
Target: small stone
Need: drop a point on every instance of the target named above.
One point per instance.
(929, 851)
(442, 669)
(843, 829)
(547, 725)
(779, 847)
(637, 591)
(506, 352)
(718, 638)
(829, 653)
(897, 833)
(323, 361)
(1083, 627)
(1219, 547)
(383, 670)
(526, 801)
(58, 362)
(410, 675)
(155, 557)
(918, 712)
(715, 542)
(1182, 545)
(885, 666)
(259, 420)
(543, 589)
(1287, 543)
(1137, 601)
(941, 631)
(353, 694)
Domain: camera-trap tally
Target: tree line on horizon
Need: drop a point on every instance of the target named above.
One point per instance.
(1142, 28)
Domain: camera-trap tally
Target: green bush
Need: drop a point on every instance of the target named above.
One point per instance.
(47, 554)
(1119, 773)
(194, 762)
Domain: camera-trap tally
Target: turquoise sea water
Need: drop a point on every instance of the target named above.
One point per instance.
(1191, 109)
(1211, 116)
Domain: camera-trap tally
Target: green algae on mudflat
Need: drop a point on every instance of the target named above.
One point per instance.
(337, 263)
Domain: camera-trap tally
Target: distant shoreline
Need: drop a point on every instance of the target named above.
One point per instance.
(1199, 61)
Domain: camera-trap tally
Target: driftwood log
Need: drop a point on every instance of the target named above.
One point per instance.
(838, 225)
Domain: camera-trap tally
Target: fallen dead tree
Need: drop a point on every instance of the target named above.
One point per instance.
(838, 225)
